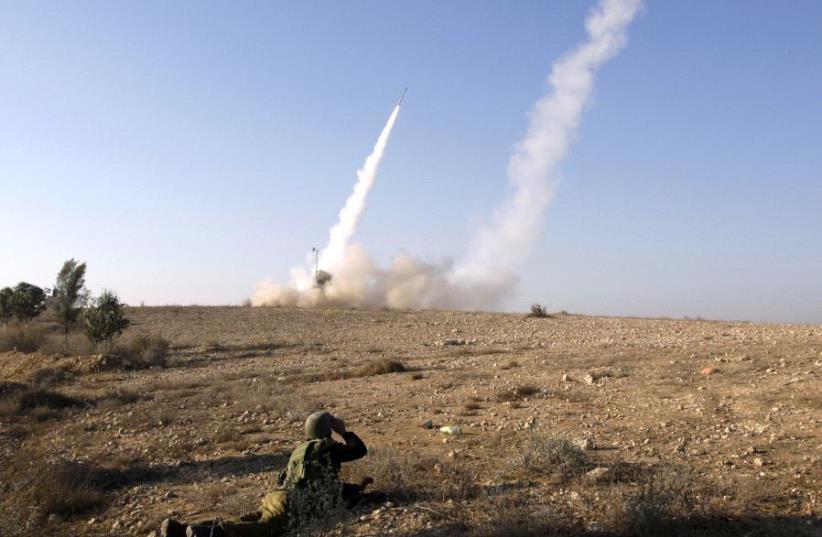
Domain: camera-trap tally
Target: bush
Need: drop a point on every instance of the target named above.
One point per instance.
(24, 302)
(556, 457)
(520, 392)
(32, 487)
(383, 366)
(141, 352)
(538, 311)
(105, 319)
(667, 500)
(48, 376)
(18, 400)
(5, 304)
(21, 338)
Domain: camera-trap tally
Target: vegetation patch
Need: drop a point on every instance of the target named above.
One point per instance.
(518, 393)
(538, 311)
(548, 456)
(22, 337)
(383, 366)
(140, 352)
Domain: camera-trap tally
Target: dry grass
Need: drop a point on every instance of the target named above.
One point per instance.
(49, 376)
(382, 366)
(543, 455)
(145, 351)
(33, 487)
(518, 393)
(19, 400)
(413, 477)
(22, 337)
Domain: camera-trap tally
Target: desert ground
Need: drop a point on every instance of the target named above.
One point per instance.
(567, 425)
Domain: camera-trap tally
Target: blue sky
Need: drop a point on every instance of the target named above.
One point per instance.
(187, 150)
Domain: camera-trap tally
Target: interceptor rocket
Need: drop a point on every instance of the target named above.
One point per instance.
(402, 96)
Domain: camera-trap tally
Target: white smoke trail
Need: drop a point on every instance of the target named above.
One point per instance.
(487, 275)
(499, 250)
(351, 270)
(339, 237)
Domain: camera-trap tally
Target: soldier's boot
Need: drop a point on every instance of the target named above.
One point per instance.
(205, 530)
(172, 528)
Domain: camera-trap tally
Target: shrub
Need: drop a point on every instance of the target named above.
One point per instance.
(520, 392)
(664, 502)
(556, 457)
(24, 338)
(105, 318)
(24, 302)
(33, 487)
(5, 304)
(383, 366)
(48, 376)
(20, 399)
(141, 352)
(71, 295)
(411, 476)
(538, 311)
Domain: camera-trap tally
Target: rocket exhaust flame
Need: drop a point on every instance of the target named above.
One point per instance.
(487, 275)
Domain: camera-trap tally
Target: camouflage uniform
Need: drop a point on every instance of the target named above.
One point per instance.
(308, 463)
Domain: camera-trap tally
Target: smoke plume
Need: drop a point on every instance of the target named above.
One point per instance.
(340, 234)
(488, 273)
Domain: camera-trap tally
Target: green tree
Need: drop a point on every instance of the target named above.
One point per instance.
(5, 304)
(71, 294)
(26, 301)
(105, 318)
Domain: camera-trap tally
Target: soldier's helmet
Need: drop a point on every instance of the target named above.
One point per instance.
(318, 425)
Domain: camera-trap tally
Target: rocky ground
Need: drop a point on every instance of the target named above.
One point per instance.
(566, 425)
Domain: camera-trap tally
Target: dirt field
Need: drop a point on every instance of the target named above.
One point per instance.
(568, 425)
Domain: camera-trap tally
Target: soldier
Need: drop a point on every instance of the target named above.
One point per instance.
(313, 464)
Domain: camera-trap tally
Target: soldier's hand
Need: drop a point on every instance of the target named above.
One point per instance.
(338, 425)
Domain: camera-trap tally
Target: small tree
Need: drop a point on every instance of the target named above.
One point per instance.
(26, 301)
(105, 318)
(71, 294)
(539, 311)
(5, 304)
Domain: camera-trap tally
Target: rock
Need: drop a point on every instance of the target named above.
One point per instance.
(588, 378)
(574, 495)
(389, 505)
(428, 424)
(54, 518)
(758, 462)
(708, 371)
(92, 520)
(152, 534)
(453, 342)
(170, 494)
(584, 444)
(566, 378)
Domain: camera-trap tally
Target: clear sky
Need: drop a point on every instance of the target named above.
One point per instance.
(186, 150)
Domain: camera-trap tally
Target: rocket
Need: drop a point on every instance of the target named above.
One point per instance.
(402, 96)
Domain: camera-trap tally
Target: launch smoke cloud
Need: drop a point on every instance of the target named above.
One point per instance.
(488, 273)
